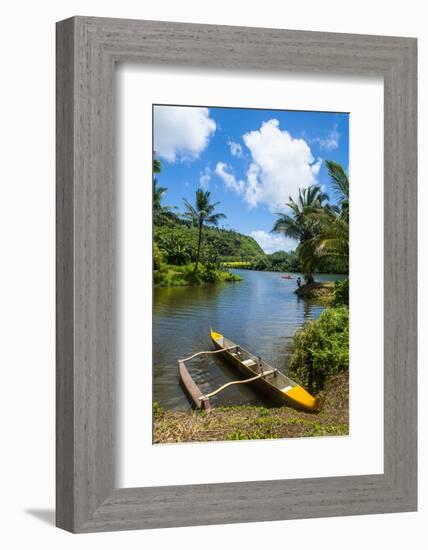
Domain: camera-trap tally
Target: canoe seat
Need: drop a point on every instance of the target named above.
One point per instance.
(249, 363)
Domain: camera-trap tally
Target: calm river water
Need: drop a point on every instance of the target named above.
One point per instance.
(260, 313)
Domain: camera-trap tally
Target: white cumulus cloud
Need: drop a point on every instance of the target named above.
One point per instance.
(331, 141)
(224, 172)
(273, 242)
(235, 148)
(181, 133)
(280, 166)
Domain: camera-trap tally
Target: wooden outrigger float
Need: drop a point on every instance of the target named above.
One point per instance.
(270, 381)
(192, 389)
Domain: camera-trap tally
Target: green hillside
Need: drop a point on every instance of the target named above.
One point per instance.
(177, 242)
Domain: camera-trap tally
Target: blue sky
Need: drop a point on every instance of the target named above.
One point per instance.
(251, 160)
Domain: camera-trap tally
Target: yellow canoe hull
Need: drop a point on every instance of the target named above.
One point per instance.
(277, 385)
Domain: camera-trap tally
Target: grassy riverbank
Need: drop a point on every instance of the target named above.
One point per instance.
(320, 292)
(327, 293)
(244, 422)
(185, 275)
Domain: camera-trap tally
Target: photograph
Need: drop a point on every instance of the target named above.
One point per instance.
(250, 274)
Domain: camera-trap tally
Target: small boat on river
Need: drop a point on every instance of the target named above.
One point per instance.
(286, 277)
(270, 381)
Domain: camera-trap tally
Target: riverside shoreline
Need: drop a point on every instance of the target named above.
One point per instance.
(316, 291)
(247, 422)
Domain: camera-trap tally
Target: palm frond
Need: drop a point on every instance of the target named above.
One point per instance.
(190, 212)
(288, 226)
(321, 229)
(215, 218)
(339, 179)
(157, 166)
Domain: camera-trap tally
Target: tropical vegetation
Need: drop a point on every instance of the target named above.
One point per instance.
(282, 262)
(200, 215)
(300, 225)
(320, 228)
(190, 248)
(321, 349)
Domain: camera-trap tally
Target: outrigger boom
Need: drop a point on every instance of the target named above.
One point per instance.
(200, 400)
(221, 388)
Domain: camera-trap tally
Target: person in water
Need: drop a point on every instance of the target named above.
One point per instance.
(299, 282)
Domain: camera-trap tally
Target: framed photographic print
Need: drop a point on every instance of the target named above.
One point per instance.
(236, 274)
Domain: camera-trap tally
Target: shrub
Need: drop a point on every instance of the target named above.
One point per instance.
(321, 348)
(176, 246)
(341, 293)
(157, 257)
(228, 277)
(211, 274)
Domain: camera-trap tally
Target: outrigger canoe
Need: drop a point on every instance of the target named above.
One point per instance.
(275, 383)
(270, 381)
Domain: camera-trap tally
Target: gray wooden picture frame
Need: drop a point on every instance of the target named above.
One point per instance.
(87, 50)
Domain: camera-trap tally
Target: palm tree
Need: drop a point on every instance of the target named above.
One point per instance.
(300, 225)
(340, 182)
(332, 236)
(159, 211)
(201, 214)
(331, 239)
(158, 192)
(157, 166)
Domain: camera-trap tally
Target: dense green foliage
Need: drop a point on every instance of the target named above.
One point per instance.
(176, 249)
(190, 249)
(193, 238)
(201, 214)
(331, 265)
(186, 275)
(341, 293)
(321, 348)
(178, 243)
(298, 224)
(278, 261)
(285, 262)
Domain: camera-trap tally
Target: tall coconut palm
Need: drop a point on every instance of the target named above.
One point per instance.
(201, 214)
(331, 239)
(300, 225)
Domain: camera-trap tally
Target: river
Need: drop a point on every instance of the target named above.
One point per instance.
(260, 313)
